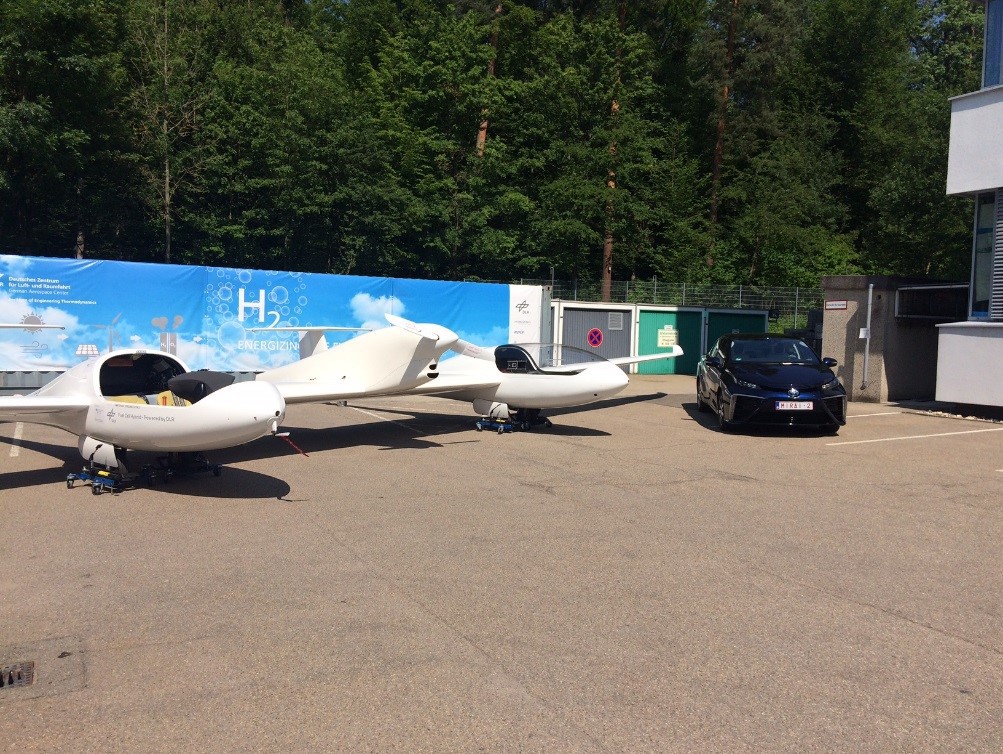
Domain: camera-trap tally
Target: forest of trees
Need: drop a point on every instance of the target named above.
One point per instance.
(700, 141)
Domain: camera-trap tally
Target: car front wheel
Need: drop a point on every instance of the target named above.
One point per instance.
(702, 407)
(723, 424)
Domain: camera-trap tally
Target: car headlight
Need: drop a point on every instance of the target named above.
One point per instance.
(743, 383)
(831, 384)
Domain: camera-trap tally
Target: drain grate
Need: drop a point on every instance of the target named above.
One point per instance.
(18, 674)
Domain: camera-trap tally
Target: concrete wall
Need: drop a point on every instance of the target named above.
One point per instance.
(902, 363)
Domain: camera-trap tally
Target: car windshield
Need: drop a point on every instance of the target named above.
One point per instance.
(772, 351)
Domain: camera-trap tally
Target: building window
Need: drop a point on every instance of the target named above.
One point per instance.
(982, 263)
(994, 44)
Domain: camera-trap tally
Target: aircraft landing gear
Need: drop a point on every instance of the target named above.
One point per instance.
(184, 464)
(102, 479)
(530, 417)
(106, 480)
(523, 419)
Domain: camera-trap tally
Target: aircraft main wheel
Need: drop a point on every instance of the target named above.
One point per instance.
(69, 484)
(95, 489)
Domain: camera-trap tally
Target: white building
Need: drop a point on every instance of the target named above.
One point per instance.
(970, 354)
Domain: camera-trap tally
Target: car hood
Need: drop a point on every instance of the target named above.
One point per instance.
(783, 376)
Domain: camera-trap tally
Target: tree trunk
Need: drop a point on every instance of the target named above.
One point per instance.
(78, 248)
(167, 209)
(715, 172)
(482, 131)
(167, 148)
(607, 257)
(607, 246)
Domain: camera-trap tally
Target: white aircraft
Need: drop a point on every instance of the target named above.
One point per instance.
(151, 401)
(512, 383)
(508, 382)
(148, 401)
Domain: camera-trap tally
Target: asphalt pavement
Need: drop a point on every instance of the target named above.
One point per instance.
(630, 579)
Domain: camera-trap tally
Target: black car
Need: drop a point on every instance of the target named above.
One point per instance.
(770, 380)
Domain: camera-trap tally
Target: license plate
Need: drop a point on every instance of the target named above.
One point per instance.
(794, 406)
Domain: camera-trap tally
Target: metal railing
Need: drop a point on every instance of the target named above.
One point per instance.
(788, 307)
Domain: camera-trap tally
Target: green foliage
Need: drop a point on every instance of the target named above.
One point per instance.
(454, 140)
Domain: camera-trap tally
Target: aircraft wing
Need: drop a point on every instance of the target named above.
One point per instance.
(452, 383)
(670, 354)
(319, 392)
(35, 409)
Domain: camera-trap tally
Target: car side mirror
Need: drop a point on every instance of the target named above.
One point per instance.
(829, 362)
(713, 361)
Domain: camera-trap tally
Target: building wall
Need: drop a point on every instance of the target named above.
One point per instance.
(975, 159)
(970, 354)
(902, 360)
(970, 362)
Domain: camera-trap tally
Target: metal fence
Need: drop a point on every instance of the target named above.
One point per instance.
(788, 307)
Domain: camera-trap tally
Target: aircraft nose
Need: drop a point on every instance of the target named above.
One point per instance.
(619, 382)
(270, 410)
(278, 412)
(613, 380)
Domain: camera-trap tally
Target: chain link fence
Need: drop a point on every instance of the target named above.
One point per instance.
(788, 307)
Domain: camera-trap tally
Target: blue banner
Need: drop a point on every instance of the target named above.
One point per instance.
(213, 317)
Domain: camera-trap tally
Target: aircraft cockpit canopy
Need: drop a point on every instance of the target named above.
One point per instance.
(514, 359)
(137, 374)
(527, 358)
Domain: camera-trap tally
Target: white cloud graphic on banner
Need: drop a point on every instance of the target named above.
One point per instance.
(369, 311)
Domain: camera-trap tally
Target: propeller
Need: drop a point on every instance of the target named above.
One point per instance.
(443, 337)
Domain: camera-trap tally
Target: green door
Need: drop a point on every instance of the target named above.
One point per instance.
(686, 326)
(729, 321)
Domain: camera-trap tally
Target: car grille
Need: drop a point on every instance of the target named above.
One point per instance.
(745, 407)
(837, 405)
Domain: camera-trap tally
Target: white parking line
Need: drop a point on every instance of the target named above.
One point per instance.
(15, 447)
(883, 413)
(385, 419)
(917, 437)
